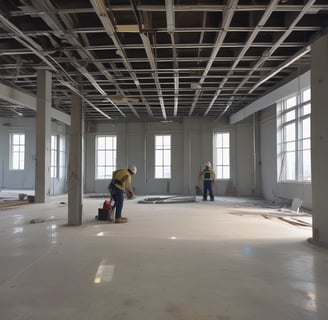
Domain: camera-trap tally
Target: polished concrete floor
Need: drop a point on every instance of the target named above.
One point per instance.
(222, 260)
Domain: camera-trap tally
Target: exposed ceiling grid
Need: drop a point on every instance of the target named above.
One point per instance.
(165, 59)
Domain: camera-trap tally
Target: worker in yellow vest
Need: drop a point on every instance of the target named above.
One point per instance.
(207, 175)
(121, 182)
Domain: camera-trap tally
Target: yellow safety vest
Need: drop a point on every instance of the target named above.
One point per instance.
(117, 178)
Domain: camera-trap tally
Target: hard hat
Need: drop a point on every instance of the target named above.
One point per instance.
(133, 169)
(208, 164)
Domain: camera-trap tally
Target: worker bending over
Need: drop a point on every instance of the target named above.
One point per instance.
(121, 182)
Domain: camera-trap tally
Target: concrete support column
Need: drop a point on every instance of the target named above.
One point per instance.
(43, 136)
(187, 165)
(256, 189)
(319, 138)
(75, 165)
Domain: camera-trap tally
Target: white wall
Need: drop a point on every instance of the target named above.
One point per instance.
(244, 157)
(192, 146)
(25, 179)
(268, 155)
(17, 179)
(265, 108)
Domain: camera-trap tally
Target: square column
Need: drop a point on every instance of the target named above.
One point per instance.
(75, 165)
(319, 138)
(43, 135)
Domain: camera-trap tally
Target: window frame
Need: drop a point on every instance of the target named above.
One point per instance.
(54, 155)
(21, 153)
(164, 167)
(218, 167)
(108, 168)
(291, 151)
(61, 156)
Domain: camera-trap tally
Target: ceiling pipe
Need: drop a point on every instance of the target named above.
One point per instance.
(170, 22)
(282, 66)
(170, 18)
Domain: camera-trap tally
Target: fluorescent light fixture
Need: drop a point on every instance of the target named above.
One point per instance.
(123, 100)
(127, 28)
(284, 65)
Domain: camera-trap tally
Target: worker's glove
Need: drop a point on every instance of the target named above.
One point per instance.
(130, 196)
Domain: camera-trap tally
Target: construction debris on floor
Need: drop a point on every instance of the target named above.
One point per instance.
(171, 199)
(6, 204)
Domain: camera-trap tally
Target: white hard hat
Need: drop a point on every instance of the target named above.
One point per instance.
(208, 164)
(133, 169)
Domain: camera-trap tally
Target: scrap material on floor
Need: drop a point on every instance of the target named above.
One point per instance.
(171, 199)
(13, 198)
(5, 204)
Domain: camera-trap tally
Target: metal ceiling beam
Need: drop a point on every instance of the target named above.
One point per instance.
(37, 50)
(284, 65)
(101, 10)
(226, 20)
(52, 21)
(161, 8)
(305, 9)
(151, 58)
(177, 67)
(266, 15)
(170, 21)
(17, 97)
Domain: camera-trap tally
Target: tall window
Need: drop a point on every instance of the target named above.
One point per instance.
(294, 137)
(54, 157)
(62, 156)
(162, 157)
(222, 155)
(17, 151)
(105, 156)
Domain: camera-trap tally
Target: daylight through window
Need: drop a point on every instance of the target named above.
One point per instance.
(162, 157)
(106, 150)
(17, 151)
(222, 155)
(294, 137)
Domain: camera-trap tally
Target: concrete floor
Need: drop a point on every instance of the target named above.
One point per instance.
(219, 260)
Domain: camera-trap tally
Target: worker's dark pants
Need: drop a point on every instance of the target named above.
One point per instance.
(207, 188)
(118, 197)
